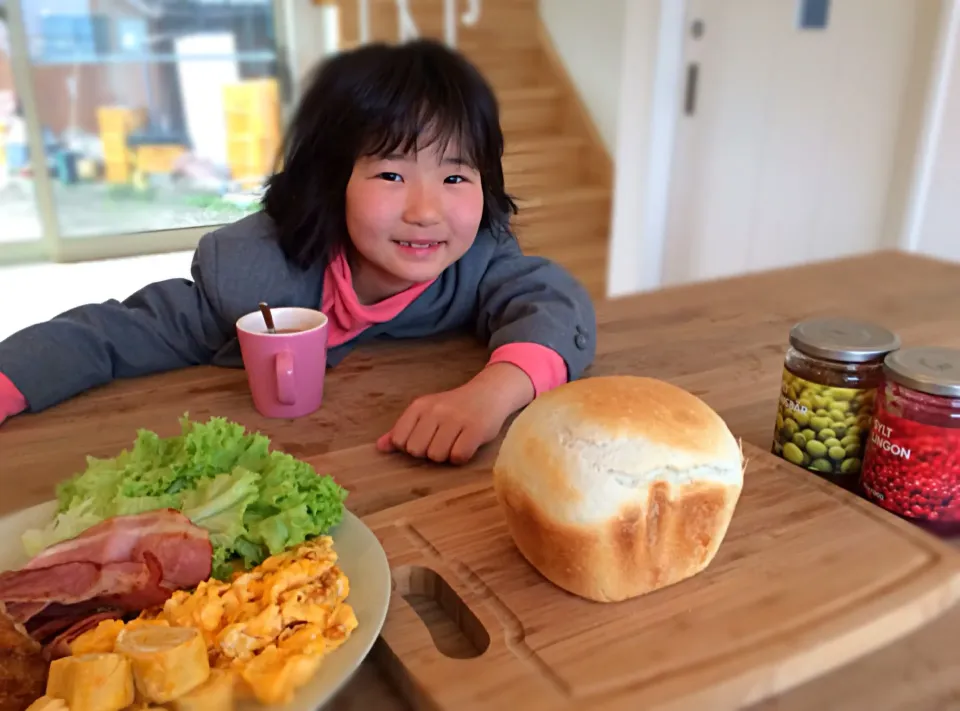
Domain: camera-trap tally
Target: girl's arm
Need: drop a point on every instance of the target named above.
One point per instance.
(536, 315)
(540, 324)
(166, 325)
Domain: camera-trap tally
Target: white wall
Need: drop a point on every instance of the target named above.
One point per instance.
(588, 36)
(935, 229)
(649, 94)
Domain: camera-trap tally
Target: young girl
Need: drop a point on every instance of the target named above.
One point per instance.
(389, 214)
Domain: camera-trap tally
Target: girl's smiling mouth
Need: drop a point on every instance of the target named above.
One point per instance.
(419, 245)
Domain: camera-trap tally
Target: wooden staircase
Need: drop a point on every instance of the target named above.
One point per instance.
(555, 163)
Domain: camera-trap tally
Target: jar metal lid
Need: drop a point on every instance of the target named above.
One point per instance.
(843, 340)
(931, 370)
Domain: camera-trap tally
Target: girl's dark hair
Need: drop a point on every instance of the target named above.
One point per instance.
(374, 101)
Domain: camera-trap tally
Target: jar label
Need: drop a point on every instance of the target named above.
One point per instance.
(821, 427)
(913, 469)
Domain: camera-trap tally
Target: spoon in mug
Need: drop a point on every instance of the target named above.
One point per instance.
(267, 317)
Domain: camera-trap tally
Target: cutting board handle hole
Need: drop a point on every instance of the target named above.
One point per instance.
(456, 631)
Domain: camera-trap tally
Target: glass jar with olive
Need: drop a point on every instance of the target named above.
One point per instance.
(830, 376)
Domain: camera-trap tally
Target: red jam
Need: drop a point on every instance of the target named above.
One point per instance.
(912, 461)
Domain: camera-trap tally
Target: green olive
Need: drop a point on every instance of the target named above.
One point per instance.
(837, 416)
(790, 428)
(808, 434)
(852, 450)
(854, 432)
(850, 439)
(843, 394)
(832, 442)
(819, 402)
(801, 418)
(823, 412)
(840, 428)
(850, 466)
(821, 465)
(779, 421)
(837, 453)
(816, 449)
(819, 423)
(799, 440)
(805, 402)
(824, 435)
(792, 453)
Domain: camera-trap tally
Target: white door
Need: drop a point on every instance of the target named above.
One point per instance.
(786, 145)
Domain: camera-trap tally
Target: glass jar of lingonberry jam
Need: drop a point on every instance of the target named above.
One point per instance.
(830, 376)
(912, 463)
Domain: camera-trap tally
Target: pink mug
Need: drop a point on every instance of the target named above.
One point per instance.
(285, 369)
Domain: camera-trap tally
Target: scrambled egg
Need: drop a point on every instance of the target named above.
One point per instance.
(270, 627)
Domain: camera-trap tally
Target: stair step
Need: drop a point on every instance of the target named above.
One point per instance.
(537, 237)
(551, 204)
(562, 216)
(549, 161)
(535, 243)
(508, 68)
(505, 23)
(531, 109)
(590, 251)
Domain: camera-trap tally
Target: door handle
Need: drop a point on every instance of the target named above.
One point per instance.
(690, 92)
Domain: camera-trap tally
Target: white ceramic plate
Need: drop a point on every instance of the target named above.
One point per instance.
(361, 558)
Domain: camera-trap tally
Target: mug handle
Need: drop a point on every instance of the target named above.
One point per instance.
(285, 389)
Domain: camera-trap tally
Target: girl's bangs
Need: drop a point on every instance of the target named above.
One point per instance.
(406, 132)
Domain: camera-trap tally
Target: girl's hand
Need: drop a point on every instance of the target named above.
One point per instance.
(453, 425)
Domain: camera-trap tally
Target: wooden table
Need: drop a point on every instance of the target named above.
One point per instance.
(724, 341)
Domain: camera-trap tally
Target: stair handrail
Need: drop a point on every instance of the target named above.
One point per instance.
(363, 20)
(407, 26)
(472, 15)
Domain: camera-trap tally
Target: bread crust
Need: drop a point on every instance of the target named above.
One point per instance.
(673, 538)
(616, 406)
(653, 518)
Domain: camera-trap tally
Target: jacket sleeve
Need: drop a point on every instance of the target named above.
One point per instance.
(166, 325)
(525, 299)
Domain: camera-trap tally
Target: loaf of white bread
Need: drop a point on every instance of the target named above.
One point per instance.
(613, 487)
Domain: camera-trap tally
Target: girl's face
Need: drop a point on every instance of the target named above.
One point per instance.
(410, 217)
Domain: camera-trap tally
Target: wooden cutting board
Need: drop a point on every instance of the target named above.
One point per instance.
(808, 578)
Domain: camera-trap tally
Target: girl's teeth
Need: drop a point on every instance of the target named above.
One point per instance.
(418, 246)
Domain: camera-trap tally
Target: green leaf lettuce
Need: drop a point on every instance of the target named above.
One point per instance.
(253, 501)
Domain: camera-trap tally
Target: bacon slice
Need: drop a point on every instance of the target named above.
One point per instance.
(124, 564)
(58, 618)
(183, 549)
(59, 646)
(130, 586)
(23, 612)
(72, 582)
